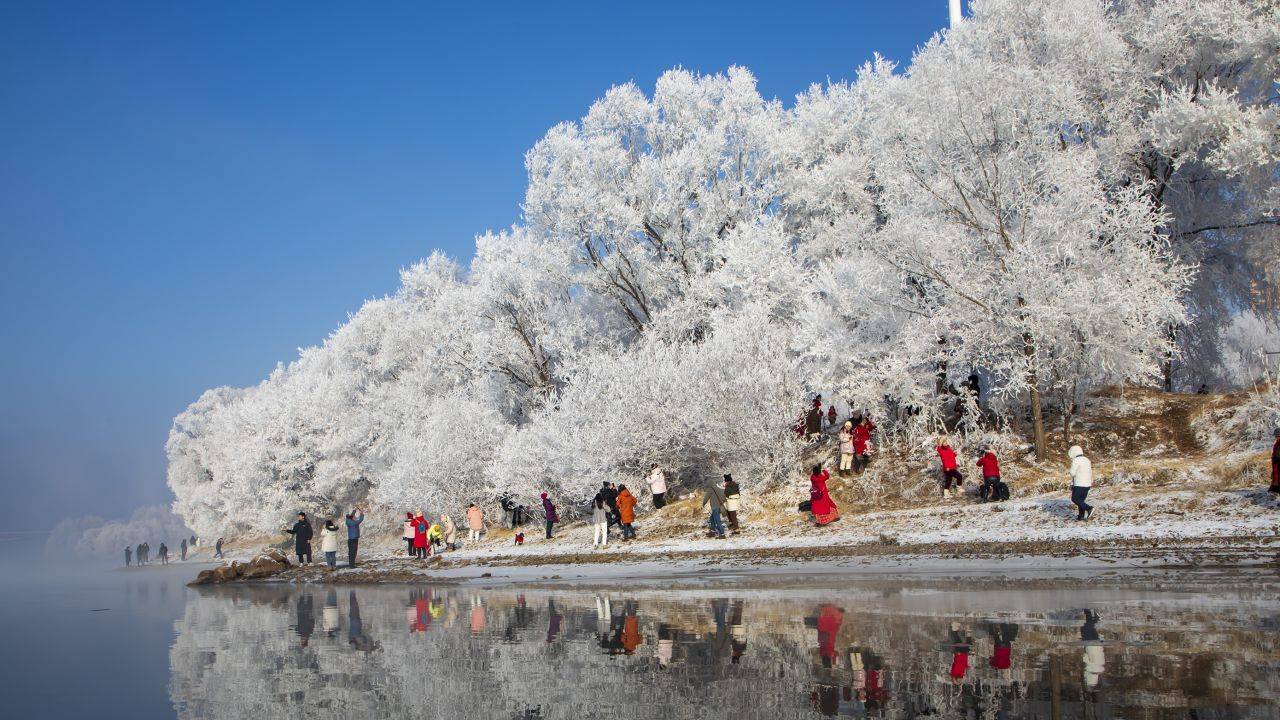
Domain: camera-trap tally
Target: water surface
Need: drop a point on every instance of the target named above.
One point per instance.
(1163, 647)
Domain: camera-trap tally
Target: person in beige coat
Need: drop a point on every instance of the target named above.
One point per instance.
(475, 522)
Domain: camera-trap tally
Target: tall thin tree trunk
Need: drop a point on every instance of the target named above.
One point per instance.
(1037, 418)
(1037, 411)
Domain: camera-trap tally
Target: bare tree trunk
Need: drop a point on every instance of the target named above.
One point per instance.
(1037, 411)
(1037, 418)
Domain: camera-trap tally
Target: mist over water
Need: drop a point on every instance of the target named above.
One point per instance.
(87, 640)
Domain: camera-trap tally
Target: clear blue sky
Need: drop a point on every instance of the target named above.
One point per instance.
(191, 191)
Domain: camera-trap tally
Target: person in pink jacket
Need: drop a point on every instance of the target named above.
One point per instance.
(475, 522)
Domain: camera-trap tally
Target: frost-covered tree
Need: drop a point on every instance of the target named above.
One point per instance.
(1039, 198)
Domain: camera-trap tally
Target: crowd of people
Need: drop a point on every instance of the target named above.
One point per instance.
(616, 505)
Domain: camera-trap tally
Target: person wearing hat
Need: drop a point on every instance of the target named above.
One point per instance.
(845, 438)
(301, 532)
(732, 498)
(1275, 463)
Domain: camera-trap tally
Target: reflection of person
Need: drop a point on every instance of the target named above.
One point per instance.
(477, 615)
(329, 618)
(738, 632)
(631, 637)
(306, 618)
(830, 618)
(1095, 659)
(1002, 637)
(960, 646)
(355, 626)
(554, 620)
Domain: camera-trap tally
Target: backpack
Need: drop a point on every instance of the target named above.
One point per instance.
(1002, 492)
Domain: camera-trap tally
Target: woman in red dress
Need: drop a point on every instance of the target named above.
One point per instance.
(820, 504)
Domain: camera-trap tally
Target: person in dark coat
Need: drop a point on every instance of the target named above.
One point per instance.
(128, 555)
(183, 549)
(164, 554)
(813, 421)
(142, 557)
(1275, 464)
(217, 548)
(306, 618)
(549, 509)
(301, 532)
(609, 494)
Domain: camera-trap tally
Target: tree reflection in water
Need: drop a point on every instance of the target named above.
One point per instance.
(669, 654)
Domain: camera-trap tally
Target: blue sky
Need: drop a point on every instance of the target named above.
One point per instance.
(191, 191)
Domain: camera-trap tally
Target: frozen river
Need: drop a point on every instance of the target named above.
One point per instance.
(139, 644)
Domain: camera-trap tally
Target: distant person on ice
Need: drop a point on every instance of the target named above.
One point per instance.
(1275, 463)
(1081, 481)
(657, 481)
(182, 549)
(128, 555)
(475, 522)
(142, 557)
(950, 468)
(820, 503)
(329, 543)
(301, 532)
(217, 548)
(549, 512)
(164, 554)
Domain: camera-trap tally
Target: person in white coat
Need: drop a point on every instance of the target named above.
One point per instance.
(329, 543)
(599, 523)
(657, 485)
(846, 447)
(1081, 481)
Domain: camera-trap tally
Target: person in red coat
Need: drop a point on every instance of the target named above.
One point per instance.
(830, 618)
(950, 468)
(820, 503)
(1275, 464)
(960, 645)
(990, 468)
(420, 545)
(862, 444)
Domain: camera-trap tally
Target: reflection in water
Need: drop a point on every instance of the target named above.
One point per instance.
(649, 654)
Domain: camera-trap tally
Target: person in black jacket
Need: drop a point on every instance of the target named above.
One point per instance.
(609, 494)
(301, 532)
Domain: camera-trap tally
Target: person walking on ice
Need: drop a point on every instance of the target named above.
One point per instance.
(128, 555)
(475, 522)
(1081, 481)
